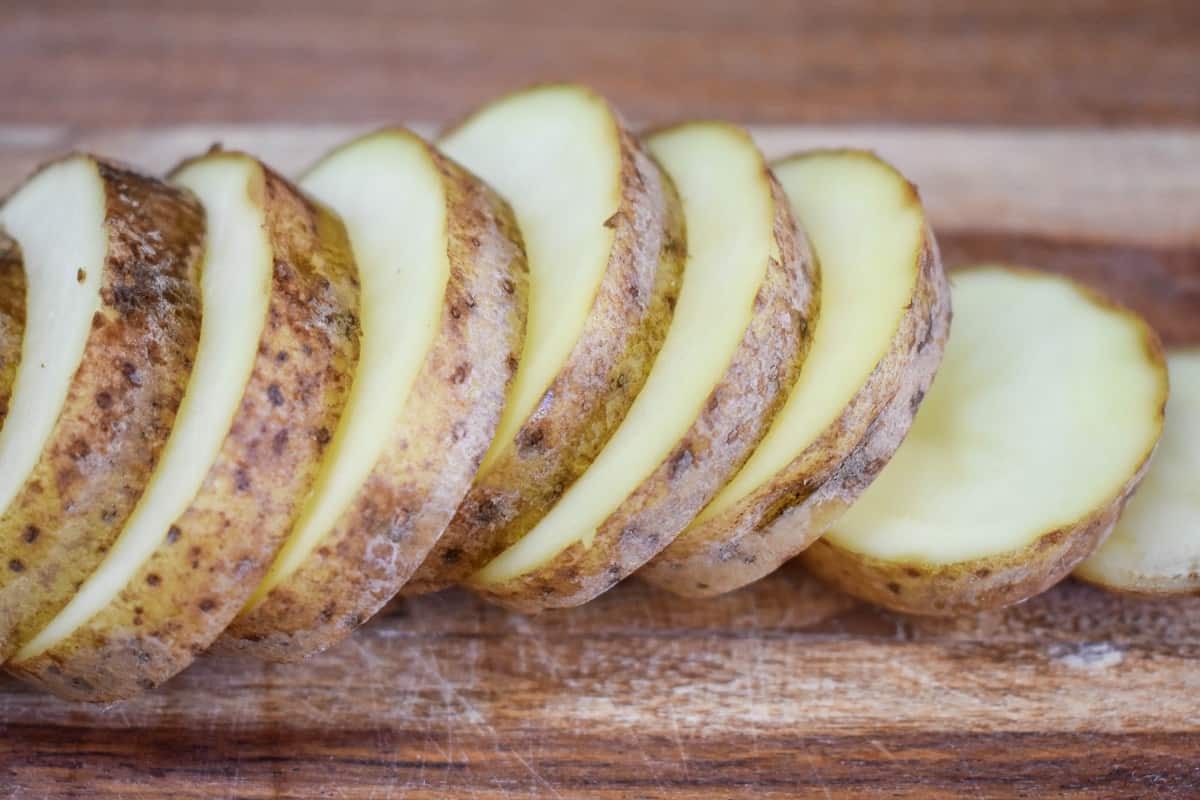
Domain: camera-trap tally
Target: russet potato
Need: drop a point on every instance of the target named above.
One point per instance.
(1039, 426)
(885, 309)
(605, 242)
(444, 284)
(278, 343)
(111, 326)
(738, 336)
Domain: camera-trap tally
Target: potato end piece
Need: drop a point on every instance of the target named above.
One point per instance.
(446, 429)
(1003, 578)
(120, 407)
(734, 418)
(211, 558)
(755, 536)
(606, 369)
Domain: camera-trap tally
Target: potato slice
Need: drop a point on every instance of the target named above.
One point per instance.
(12, 317)
(885, 313)
(732, 352)
(278, 343)
(113, 318)
(444, 287)
(1039, 426)
(604, 238)
(1155, 547)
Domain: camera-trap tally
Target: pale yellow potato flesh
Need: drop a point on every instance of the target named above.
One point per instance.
(1046, 405)
(390, 196)
(547, 150)
(235, 286)
(1155, 547)
(57, 218)
(728, 207)
(862, 222)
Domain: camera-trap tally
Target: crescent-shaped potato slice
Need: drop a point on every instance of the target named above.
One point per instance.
(885, 313)
(278, 343)
(111, 326)
(604, 239)
(1041, 422)
(444, 291)
(1155, 548)
(732, 352)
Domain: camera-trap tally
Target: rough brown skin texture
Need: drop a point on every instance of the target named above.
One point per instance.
(212, 557)
(120, 407)
(444, 433)
(737, 414)
(969, 586)
(12, 317)
(585, 403)
(756, 535)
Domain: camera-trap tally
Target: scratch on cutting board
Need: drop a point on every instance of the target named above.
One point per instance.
(1088, 655)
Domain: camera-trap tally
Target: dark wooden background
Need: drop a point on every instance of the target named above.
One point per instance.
(1060, 134)
(1078, 62)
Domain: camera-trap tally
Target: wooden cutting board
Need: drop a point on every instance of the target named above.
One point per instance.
(781, 690)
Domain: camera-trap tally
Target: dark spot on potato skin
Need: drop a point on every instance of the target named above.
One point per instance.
(279, 442)
(323, 436)
(452, 555)
(241, 480)
(16, 565)
(530, 440)
(893, 587)
(31, 534)
(79, 449)
(915, 403)
(461, 373)
(281, 357)
(207, 605)
(680, 462)
(912, 572)
(275, 394)
(153, 579)
(173, 534)
(131, 373)
(486, 512)
(613, 221)
(104, 401)
(983, 572)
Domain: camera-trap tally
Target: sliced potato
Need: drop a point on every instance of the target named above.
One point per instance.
(112, 323)
(732, 352)
(12, 317)
(1155, 548)
(885, 313)
(444, 287)
(1039, 426)
(604, 238)
(278, 343)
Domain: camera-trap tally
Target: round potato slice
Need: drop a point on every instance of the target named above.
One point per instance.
(885, 314)
(111, 327)
(444, 285)
(12, 317)
(605, 243)
(278, 343)
(1038, 427)
(1155, 548)
(735, 344)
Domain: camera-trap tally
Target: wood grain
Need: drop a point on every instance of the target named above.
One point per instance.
(142, 62)
(780, 690)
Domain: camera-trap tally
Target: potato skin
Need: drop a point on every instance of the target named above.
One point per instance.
(979, 584)
(590, 396)
(756, 535)
(211, 559)
(737, 414)
(120, 407)
(12, 317)
(422, 476)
